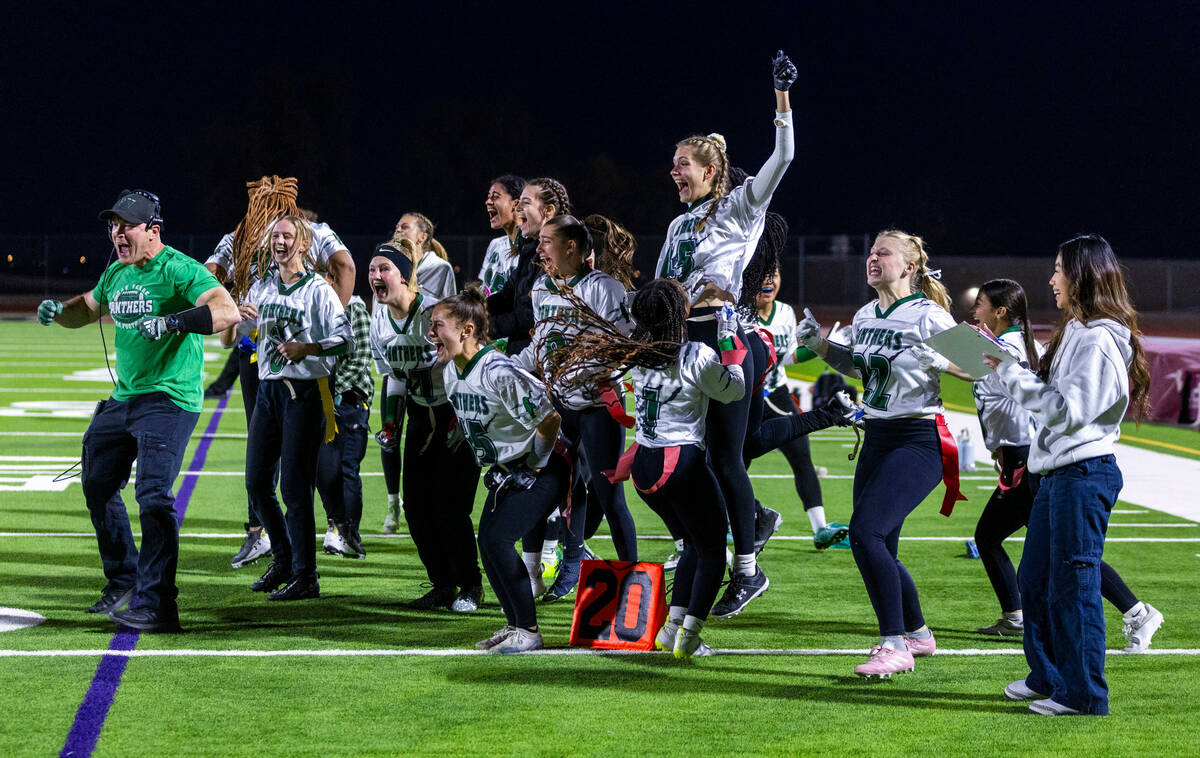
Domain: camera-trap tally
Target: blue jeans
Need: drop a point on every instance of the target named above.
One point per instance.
(154, 431)
(338, 464)
(1060, 583)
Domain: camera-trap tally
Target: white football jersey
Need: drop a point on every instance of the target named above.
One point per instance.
(894, 386)
(601, 292)
(499, 262)
(719, 252)
(499, 406)
(325, 243)
(435, 277)
(306, 311)
(400, 350)
(781, 323)
(1004, 422)
(672, 403)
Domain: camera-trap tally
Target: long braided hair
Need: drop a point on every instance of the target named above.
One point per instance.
(764, 263)
(600, 351)
(271, 197)
(710, 151)
(552, 192)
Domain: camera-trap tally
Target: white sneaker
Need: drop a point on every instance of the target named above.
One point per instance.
(391, 520)
(689, 645)
(1139, 631)
(519, 641)
(1048, 707)
(665, 639)
(491, 642)
(334, 543)
(1018, 690)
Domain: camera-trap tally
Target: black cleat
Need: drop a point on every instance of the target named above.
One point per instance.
(112, 600)
(765, 525)
(739, 592)
(438, 597)
(301, 587)
(276, 575)
(147, 619)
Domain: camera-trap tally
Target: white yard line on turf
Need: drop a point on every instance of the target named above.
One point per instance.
(456, 652)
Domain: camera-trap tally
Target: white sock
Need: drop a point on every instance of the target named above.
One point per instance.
(692, 625)
(923, 633)
(1135, 611)
(894, 643)
(675, 614)
(533, 563)
(548, 547)
(745, 564)
(816, 517)
(393, 498)
(1017, 617)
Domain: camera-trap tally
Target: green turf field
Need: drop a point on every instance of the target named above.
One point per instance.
(386, 695)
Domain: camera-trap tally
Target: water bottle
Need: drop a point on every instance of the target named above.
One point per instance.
(966, 456)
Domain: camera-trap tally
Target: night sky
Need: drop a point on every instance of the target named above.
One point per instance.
(999, 130)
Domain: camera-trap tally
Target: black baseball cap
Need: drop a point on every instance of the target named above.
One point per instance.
(136, 206)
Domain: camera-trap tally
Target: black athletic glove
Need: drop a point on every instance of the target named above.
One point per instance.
(515, 478)
(784, 71)
(387, 437)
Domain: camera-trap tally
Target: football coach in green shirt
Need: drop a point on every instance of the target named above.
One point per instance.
(161, 301)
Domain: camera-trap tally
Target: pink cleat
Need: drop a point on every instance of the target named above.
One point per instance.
(921, 648)
(884, 662)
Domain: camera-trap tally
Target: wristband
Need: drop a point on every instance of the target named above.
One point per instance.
(196, 320)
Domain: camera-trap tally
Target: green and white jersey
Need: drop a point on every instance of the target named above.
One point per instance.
(1004, 422)
(401, 350)
(672, 402)
(168, 283)
(435, 277)
(499, 262)
(325, 243)
(305, 311)
(499, 406)
(781, 323)
(719, 252)
(894, 386)
(601, 292)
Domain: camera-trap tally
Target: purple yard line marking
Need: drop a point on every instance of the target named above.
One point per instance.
(89, 719)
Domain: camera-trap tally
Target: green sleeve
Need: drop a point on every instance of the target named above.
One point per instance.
(804, 354)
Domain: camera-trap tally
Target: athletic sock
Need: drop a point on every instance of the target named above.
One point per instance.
(393, 498)
(1137, 610)
(548, 547)
(745, 564)
(816, 517)
(533, 563)
(675, 614)
(923, 633)
(894, 642)
(692, 624)
(1017, 617)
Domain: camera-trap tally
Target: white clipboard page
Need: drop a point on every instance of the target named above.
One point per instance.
(964, 346)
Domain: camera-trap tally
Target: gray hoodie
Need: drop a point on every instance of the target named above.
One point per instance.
(1079, 411)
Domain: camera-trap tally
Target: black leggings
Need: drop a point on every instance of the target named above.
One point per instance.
(726, 436)
(507, 518)
(439, 493)
(688, 500)
(599, 441)
(391, 458)
(1006, 512)
(248, 380)
(797, 452)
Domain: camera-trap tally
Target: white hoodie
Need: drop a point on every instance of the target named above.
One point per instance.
(1079, 411)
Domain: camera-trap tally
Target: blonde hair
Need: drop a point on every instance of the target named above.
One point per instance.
(710, 151)
(426, 226)
(405, 245)
(923, 279)
(304, 237)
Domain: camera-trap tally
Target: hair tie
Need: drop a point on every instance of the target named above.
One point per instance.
(719, 139)
(934, 273)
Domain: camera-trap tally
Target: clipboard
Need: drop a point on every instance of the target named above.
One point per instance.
(964, 346)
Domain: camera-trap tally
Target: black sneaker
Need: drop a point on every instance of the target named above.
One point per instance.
(112, 600)
(255, 546)
(739, 592)
(354, 546)
(438, 597)
(276, 575)
(564, 584)
(468, 600)
(147, 619)
(301, 587)
(765, 525)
